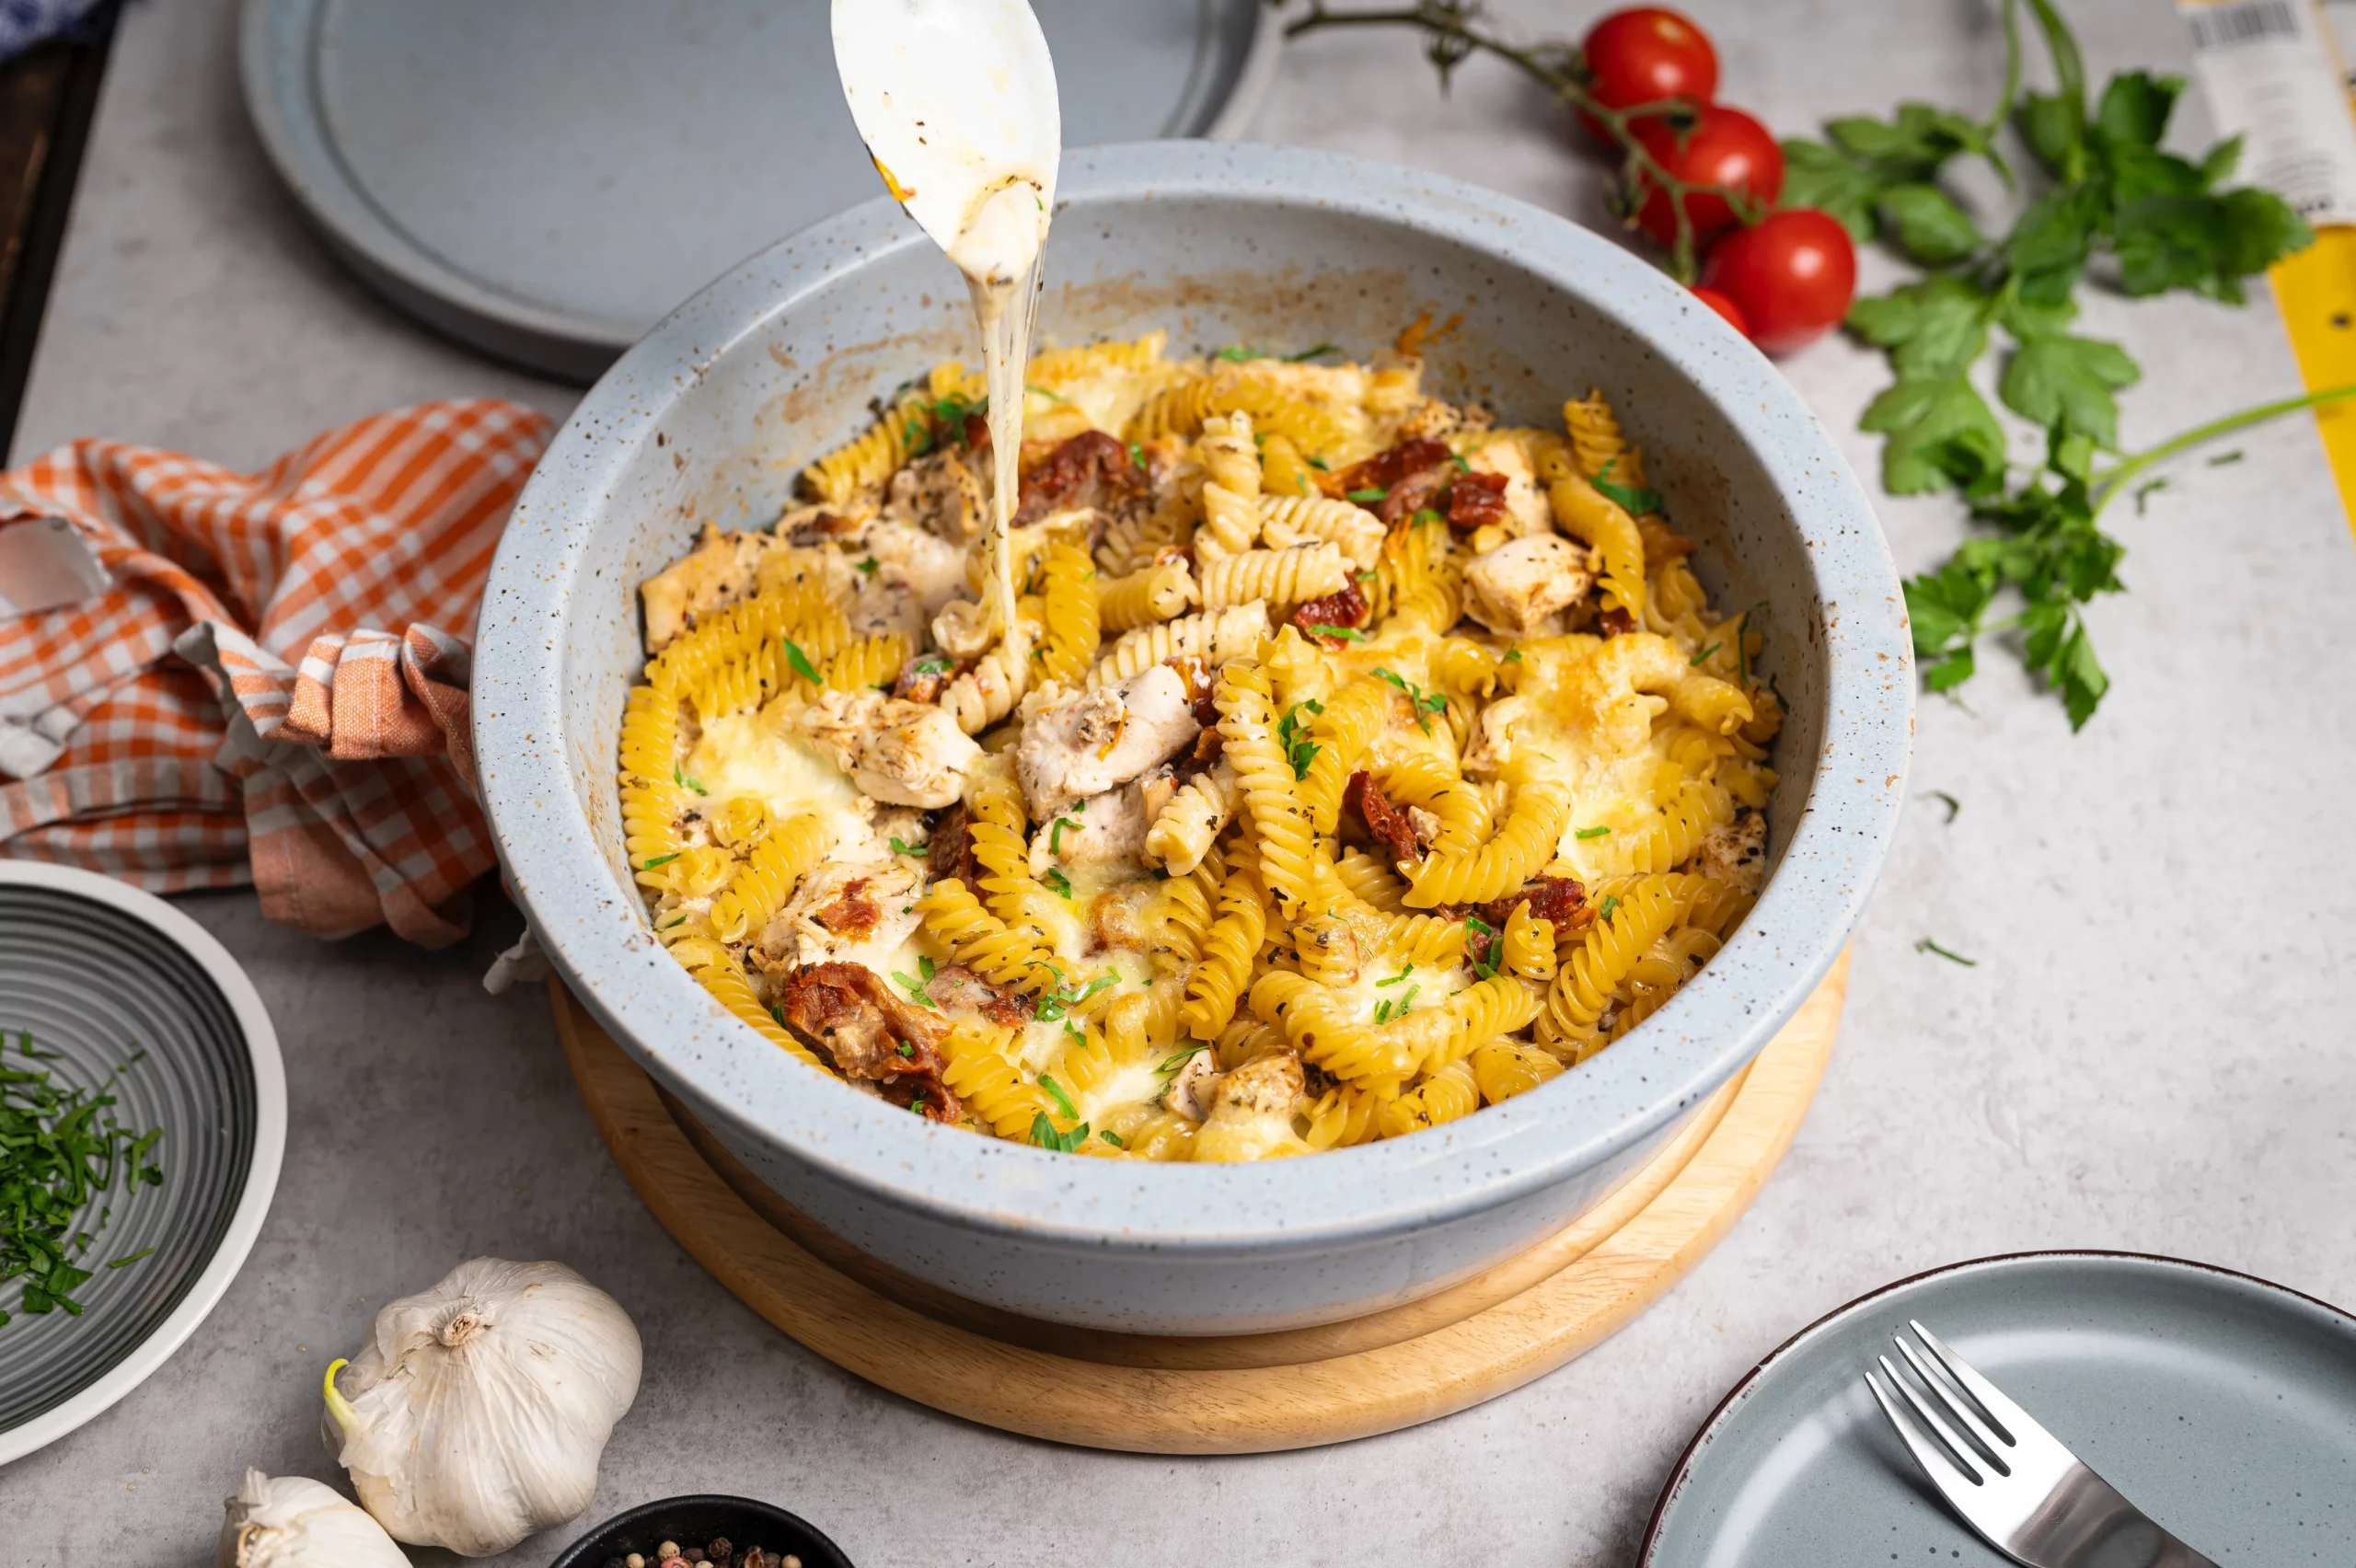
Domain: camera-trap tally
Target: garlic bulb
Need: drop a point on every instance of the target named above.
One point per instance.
(478, 1410)
(296, 1522)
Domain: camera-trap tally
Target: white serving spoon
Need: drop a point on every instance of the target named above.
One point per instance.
(956, 102)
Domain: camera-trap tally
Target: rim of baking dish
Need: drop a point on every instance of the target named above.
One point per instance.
(598, 939)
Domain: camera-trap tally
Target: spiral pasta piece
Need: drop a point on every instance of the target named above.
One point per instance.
(1643, 911)
(1344, 1116)
(867, 663)
(1290, 576)
(725, 981)
(1228, 948)
(1192, 818)
(1272, 803)
(981, 1070)
(766, 878)
(1595, 441)
(1297, 519)
(1328, 947)
(651, 813)
(1214, 636)
(1503, 1069)
(1523, 844)
(1529, 945)
(649, 746)
(1449, 1095)
(866, 460)
(1073, 628)
(1003, 954)
(1670, 840)
(1155, 592)
(1353, 717)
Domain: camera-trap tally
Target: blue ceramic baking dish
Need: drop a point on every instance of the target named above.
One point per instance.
(711, 416)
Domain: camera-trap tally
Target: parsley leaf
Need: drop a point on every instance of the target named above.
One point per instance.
(1426, 702)
(870, 566)
(2065, 383)
(1056, 1093)
(1292, 734)
(901, 848)
(1631, 500)
(1590, 833)
(1044, 1134)
(1610, 902)
(679, 778)
(916, 988)
(1373, 493)
(800, 661)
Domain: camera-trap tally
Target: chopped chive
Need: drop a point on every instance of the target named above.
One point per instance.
(1311, 353)
(901, 846)
(1136, 456)
(1590, 833)
(679, 778)
(661, 861)
(1396, 978)
(1319, 464)
(1953, 804)
(126, 1262)
(1055, 879)
(915, 989)
(1056, 1093)
(1695, 661)
(1373, 493)
(1927, 945)
(1610, 902)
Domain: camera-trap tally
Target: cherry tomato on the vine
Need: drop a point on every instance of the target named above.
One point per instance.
(1644, 54)
(1726, 306)
(1792, 275)
(1723, 146)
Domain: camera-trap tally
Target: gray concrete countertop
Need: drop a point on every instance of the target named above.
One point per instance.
(2151, 1052)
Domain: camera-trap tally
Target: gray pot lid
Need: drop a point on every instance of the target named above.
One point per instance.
(545, 179)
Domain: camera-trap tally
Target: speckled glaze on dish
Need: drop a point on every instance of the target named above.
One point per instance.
(711, 416)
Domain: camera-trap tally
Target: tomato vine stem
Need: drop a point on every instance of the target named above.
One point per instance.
(1558, 68)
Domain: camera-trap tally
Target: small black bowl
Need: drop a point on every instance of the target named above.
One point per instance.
(692, 1521)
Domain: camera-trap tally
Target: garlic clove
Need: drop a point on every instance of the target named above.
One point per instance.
(477, 1411)
(296, 1522)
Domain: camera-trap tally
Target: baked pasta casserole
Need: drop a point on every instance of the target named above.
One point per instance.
(1353, 761)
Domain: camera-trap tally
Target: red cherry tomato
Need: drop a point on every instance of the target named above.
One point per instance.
(1724, 306)
(1724, 146)
(1792, 275)
(1644, 54)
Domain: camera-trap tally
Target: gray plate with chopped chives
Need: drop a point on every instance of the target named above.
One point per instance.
(143, 1115)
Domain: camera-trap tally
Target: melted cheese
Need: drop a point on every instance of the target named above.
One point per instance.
(752, 754)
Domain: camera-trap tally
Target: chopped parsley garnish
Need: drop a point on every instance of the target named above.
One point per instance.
(1319, 464)
(1513, 656)
(673, 924)
(906, 1049)
(870, 566)
(1055, 834)
(2223, 459)
(1610, 902)
(1425, 515)
(933, 664)
(1341, 633)
(1236, 354)
(916, 1104)
(1461, 466)
(1054, 878)
(679, 778)
(60, 1146)
(1927, 945)
(800, 661)
(1054, 1002)
(1113, 1138)
(1312, 353)
(778, 1013)
(1044, 1134)
(1426, 702)
(1590, 833)
(125, 1263)
(660, 861)
(1292, 734)
(1388, 1012)
(1042, 391)
(1177, 1059)
(1136, 454)
(1396, 978)
(1695, 661)
(1373, 493)
(901, 846)
(1953, 804)
(1056, 1093)
(2145, 491)
(1635, 503)
(916, 988)
(1487, 964)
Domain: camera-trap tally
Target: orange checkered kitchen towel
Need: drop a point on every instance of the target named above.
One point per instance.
(272, 689)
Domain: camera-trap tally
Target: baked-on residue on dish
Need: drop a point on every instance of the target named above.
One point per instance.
(1369, 762)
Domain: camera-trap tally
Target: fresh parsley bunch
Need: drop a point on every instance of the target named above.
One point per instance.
(2112, 204)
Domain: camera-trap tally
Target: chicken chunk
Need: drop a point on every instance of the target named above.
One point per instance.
(845, 911)
(1736, 852)
(902, 577)
(1251, 1111)
(1191, 1086)
(907, 753)
(1081, 744)
(940, 493)
(717, 571)
(1519, 587)
(1104, 830)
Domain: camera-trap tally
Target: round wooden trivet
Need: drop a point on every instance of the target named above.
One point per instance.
(1248, 1393)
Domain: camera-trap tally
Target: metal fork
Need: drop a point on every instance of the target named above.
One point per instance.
(2012, 1480)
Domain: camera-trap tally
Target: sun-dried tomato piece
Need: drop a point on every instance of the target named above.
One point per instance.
(1616, 621)
(949, 852)
(1475, 501)
(1385, 823)
(845, 1014)
(1090, 470)
(1346, 608)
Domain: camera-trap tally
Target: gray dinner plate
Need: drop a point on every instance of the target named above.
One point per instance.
(545, 179)
(124, 995)
(2221, 1405)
